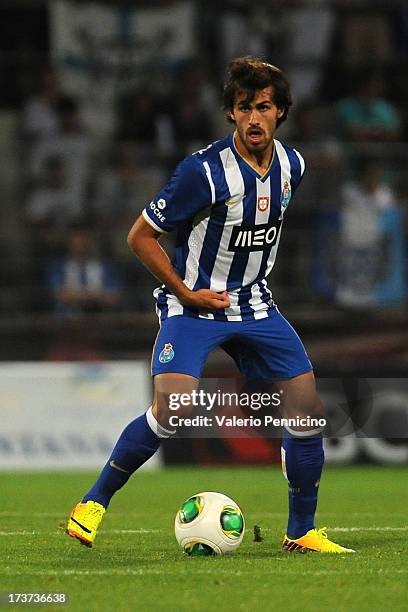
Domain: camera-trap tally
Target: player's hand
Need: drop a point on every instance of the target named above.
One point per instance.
(205, 298)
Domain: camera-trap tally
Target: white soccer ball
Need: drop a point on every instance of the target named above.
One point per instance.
(209, 524)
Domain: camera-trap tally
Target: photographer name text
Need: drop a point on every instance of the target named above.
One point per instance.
(251, 421)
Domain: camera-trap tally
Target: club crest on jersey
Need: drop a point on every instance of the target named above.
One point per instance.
(167, 353)
(286, 193)
(263, 203)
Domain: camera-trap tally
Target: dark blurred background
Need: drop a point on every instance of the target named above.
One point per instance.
(100, 100)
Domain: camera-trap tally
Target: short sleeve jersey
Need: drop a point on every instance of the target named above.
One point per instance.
(228, 219)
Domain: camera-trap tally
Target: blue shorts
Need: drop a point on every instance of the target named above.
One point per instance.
(268, 348)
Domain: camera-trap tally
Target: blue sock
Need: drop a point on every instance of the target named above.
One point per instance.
(303, 458)
(136, 444)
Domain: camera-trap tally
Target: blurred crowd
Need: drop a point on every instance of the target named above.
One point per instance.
(347, 63)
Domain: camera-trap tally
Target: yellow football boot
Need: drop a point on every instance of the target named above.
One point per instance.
(317, 540)
(84, 521)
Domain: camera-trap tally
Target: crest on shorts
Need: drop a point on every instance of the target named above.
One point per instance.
(167, 353)
(286, 193)
(263, 203)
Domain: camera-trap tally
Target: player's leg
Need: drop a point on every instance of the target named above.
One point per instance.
(137, 443)
(302, 452)
(177, 363)
(302, 464)
(275, 352)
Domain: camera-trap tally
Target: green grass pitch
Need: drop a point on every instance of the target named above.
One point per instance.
(136, 563)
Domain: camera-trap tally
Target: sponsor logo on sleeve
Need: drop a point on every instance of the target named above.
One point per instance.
(157, 208)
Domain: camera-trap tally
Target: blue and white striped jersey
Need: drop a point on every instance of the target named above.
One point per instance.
(228, 220)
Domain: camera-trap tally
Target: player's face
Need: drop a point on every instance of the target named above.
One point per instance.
(256, 120)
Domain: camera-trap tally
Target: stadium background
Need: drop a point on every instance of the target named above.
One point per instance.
(98, 102)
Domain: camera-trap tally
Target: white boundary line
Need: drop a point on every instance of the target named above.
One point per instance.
(386, 528)
(142, 531)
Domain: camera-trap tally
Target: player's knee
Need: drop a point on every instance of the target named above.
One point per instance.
(169, 404)
(308, 418)
(162, 413)
(312, 408)
(306, 406)
(174, 395)
(316, 409)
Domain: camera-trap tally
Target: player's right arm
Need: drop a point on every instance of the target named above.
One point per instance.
(143, 240)
(189, 191)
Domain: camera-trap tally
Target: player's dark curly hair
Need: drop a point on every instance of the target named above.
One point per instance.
(250, 74)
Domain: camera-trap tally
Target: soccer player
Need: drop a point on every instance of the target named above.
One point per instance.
(227, 203)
